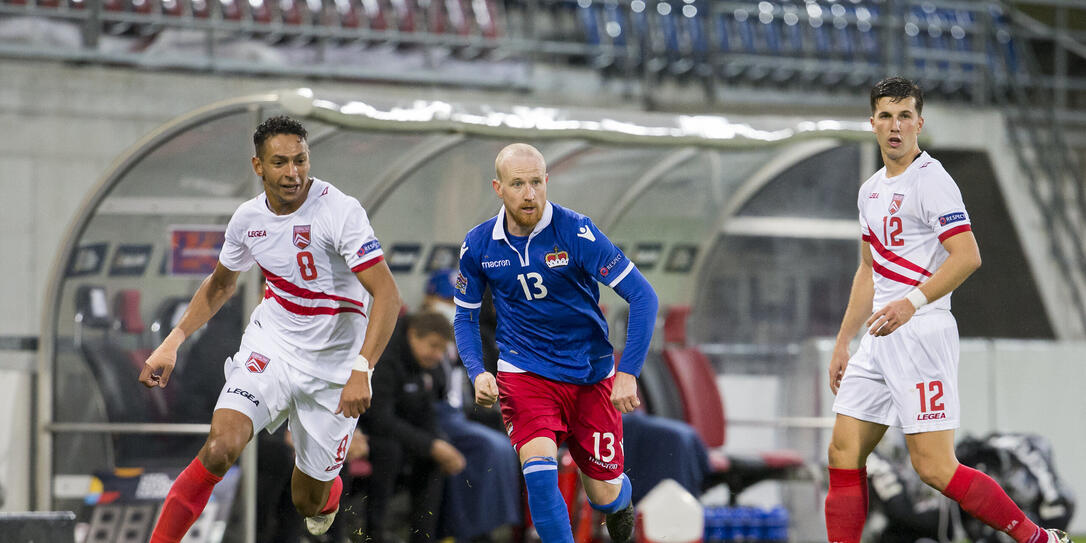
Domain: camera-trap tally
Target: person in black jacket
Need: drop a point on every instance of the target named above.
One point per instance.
(404, 438)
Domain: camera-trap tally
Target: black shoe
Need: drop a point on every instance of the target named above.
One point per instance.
(620, 525)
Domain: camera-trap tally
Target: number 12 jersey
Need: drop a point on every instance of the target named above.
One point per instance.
(905, 219)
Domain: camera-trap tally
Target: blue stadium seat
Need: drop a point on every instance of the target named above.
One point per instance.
(693, 41)
(1003, 52)
(590, 23)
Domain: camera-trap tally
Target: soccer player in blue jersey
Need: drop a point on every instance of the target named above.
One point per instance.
(557, 378)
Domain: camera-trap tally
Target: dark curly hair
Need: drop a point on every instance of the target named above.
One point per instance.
(273, 126)
(425, 323)
(897, 89)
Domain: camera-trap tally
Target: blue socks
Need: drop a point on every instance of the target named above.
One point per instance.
(545, 501)
(621, 502)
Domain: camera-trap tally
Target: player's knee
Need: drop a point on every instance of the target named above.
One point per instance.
(842, 456)
(221, 451)
(934, 471)
(927, 473)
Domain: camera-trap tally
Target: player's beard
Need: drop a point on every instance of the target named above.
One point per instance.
(529, 222)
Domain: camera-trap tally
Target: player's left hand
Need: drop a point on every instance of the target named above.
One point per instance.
(624, 392)
(891, 317)
(356, 395)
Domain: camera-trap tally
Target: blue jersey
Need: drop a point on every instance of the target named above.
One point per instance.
(546, 293)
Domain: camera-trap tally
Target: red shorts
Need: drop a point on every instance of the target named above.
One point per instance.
(582, 416)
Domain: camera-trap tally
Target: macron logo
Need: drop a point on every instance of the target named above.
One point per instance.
(585, 233)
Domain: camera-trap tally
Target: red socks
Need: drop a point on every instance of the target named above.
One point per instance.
(333, 496)
(184, 503)
(982, 497)
(846, 505)
(977, 493)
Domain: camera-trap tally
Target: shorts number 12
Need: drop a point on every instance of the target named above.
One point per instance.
(933, 404)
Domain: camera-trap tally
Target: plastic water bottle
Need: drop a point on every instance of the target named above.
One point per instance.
(758, 524)
(713, 527)
(776, 529)
(730, 525)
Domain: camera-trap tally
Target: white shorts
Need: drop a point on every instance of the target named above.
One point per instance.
(908, 378)
(262, 385)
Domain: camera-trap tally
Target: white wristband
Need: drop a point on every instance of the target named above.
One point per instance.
(361, 364)
(917, 298)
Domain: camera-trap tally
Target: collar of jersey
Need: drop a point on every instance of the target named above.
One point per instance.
(920, 159)
(544, 221)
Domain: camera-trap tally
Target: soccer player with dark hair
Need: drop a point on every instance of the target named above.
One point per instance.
(329, 309)
(405, 439)
(557, 377)
(918, 246)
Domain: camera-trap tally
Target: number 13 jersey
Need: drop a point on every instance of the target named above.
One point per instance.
(314, 307)
(545, 293)
(905, 219)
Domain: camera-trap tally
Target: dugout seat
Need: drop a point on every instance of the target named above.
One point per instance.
(129, 320)
(91, 310)
(703, 408)
(110, 366)
(675, 318)
(198, 376)
(657, 390)
(126, 306)
(167, 316)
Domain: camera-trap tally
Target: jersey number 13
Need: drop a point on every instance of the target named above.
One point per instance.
(536, 291)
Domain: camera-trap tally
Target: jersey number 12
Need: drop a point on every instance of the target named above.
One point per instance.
(891, 229)
(536, 291)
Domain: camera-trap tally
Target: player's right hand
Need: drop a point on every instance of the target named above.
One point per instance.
(158, 367)
(838, 363)
(486, 389)
(447, 456)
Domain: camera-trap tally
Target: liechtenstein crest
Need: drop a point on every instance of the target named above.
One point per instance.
(895, 205)
(556, 259)
(301, 236)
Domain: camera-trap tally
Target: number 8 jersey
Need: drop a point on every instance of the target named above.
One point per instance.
(905, 219)
(314, 307)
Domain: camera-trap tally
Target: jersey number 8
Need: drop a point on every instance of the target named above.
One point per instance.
(307, 265)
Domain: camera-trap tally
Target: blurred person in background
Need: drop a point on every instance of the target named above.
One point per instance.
(406, 443)
(486, 495)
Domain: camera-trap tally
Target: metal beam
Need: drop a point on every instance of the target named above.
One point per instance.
(409, 161)
(643, 184)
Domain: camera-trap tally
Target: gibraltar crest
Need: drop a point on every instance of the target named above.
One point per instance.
(895, 205)
(301, 236)
(257, 362)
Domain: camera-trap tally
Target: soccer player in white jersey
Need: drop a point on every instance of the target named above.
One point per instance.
(329, 308)
(917, 247)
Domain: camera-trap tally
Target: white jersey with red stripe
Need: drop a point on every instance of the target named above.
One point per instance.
(314, 307)
(905, 219)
